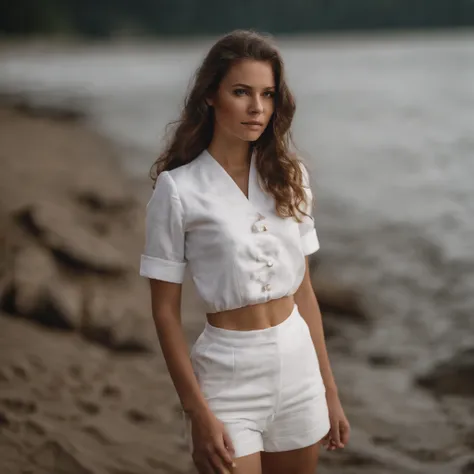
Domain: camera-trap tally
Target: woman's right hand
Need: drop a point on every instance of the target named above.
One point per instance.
(212, 447)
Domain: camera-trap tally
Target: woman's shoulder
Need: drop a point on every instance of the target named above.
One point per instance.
(186, 177)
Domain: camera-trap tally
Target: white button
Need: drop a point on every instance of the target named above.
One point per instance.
(259, 228)
(270, 263)
(267, 287)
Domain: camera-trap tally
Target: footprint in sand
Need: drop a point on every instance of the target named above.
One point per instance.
(88, 406)
(19, 406)
(138, 416)
(20, 372)
(4, 421)
(96, 433)
(35, 428)
(10, 423)
(111, 391)
(14, 371)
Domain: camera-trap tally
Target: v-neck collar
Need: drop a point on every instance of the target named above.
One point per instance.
(231, 183)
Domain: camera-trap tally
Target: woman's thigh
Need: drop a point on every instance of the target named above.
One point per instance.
(250, 464)
(297, 461)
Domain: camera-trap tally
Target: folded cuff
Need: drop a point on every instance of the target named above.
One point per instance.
(310, 242)
(159, 269)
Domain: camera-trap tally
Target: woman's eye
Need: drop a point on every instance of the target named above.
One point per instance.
(240, 92)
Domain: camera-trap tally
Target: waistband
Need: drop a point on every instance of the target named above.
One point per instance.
(233, 337)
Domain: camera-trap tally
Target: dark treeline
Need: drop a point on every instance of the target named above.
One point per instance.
(103, 18)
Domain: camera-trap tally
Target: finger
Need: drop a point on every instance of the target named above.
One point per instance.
(340, 432)
(331, 445)
(328, 439)
(222, 451)
(229, 445)
(218, 464)
(335, 435)
(345, 432)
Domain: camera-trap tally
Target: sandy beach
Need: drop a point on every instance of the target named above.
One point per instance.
(83, 385)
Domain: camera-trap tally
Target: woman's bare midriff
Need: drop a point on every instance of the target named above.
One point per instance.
(258, 316)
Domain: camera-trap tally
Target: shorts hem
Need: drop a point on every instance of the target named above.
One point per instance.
(245, 449)
(289, 443)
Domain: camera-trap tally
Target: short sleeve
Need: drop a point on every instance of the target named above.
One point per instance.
(309, 238)
(163, 256)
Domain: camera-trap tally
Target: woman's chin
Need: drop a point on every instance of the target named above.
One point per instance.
(251, 136)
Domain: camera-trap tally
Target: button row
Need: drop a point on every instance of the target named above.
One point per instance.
(259, 228)
(269, 262)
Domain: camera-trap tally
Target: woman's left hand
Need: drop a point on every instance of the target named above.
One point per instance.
(338, 435)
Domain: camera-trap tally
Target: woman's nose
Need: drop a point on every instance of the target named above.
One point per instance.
(257, 106)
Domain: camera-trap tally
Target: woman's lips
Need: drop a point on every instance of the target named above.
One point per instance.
(253, 125)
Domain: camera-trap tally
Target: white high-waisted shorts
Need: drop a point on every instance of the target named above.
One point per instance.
(264, 385)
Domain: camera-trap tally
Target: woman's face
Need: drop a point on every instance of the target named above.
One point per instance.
(244, 103)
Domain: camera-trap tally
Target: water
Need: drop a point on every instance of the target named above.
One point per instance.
(387, 123)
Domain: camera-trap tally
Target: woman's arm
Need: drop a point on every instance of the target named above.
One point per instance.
(213, 447)
(166, 309)
(309, 309)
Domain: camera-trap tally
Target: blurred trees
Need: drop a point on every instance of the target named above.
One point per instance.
(102, 18)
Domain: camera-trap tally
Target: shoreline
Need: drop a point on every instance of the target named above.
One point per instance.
(60, 41)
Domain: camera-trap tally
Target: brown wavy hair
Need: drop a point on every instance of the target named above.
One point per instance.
(278, 169)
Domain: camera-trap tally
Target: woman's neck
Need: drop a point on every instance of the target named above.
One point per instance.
(232, 155)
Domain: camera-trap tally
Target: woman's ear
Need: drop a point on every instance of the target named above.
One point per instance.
(210, 100)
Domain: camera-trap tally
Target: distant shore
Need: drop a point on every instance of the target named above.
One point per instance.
(10, 45)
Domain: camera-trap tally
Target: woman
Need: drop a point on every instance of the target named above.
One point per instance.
(234, 205)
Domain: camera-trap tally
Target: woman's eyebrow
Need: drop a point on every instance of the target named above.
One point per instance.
(246, 86)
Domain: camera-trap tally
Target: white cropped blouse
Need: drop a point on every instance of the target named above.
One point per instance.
(239, 251)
